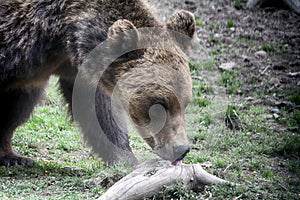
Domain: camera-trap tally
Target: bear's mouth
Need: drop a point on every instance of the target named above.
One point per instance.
(177, 163)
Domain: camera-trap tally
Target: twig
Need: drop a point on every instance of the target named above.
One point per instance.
(227, 168)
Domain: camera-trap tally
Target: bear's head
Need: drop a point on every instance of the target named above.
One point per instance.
(152, 82)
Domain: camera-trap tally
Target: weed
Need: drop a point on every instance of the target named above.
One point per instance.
(198, 21)
(205, 120)
(179, 191)
(194, 66)
(267, 173)
(230, 79)
(294, 120)
(209, 63)
(233, 120)
(214, 26)
(237, 5)
(295, 97)
(272, 47)
(214, 51)
(202, 88)
(229, 23)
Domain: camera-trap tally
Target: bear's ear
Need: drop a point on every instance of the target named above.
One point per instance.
(122, 36)
(183, 22)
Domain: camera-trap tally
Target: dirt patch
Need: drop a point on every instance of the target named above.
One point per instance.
(264, 45)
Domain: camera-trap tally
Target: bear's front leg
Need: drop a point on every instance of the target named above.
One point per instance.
(16, 106)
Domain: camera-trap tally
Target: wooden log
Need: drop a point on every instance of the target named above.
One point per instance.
(294, 5)
(150, 178)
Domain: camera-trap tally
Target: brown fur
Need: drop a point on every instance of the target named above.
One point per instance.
(41, 38)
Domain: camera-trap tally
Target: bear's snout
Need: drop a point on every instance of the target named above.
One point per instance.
(180, 151)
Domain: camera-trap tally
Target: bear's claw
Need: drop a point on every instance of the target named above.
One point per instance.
(11, 160)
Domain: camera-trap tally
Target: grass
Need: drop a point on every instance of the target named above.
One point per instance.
(198, 21)
(262, 158)
(229, 23)
(230, 79)
(272, 47)
(237, 5)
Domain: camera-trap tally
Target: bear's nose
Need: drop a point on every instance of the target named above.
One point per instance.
(180, 151)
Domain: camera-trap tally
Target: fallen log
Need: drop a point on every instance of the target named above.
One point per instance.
(150, 177)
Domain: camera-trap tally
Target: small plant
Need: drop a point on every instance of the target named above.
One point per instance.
(233, 120)
(270, 47)
(294, 121)
(230, 79)
(267, 173)
(209, 63)
(214, 26)
(179, 192)
(201, 102)
(205, 120)
(194, 65)
(198, 21)
(295, 98)
(229, 23)
(237, 5)
(214, 51)
(201, 89)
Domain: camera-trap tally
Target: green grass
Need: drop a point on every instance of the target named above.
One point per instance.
(260, 157)
(229, 23)
(198, 21)
(237, 5)
(230, 79)
(271, 47)
(214, 26)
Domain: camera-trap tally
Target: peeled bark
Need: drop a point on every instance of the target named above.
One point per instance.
(150, 178)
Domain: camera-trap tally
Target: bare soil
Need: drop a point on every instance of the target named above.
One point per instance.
(270, 77)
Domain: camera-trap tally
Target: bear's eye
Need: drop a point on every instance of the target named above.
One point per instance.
(163, 105)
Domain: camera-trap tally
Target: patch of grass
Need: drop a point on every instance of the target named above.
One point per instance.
(214, 51)
(194, 67)
(229, 23)
(214, 26)
(237, 5)
(178, 191)
(205, 120)
(230, 79)
(198, 21)
(209, 63)
(270, 47)
(201, 102)
(295, 97)
(201, 88)
(245, 39)
(294, 121)
(233, 120)
(267, 173)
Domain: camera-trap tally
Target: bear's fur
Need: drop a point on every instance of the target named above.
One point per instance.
(42, 38)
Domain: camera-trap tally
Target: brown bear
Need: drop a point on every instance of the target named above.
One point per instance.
(43, 38)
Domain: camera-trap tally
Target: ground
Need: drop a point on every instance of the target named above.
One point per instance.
(243, 122)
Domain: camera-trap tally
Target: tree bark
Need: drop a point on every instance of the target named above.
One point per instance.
(294, 5)
(150, 178)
